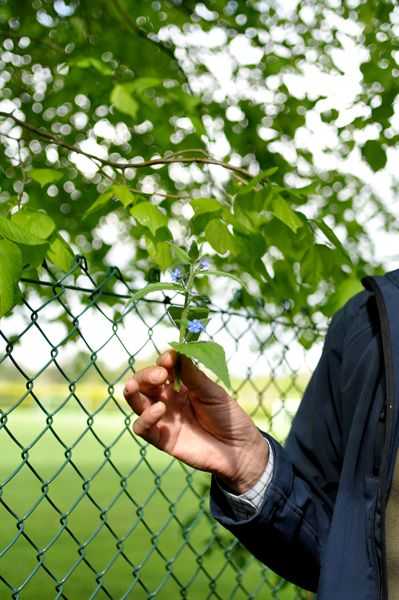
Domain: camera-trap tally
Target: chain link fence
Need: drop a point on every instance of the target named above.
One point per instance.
(87, 510)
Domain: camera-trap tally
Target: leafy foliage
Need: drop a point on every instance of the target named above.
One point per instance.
(115, 114)
(188, 319)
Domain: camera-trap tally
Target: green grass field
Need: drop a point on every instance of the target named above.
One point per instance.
(109, 522)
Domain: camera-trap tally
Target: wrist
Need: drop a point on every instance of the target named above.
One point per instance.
(252, 467)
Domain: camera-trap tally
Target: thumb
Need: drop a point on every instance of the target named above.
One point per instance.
(199, 383)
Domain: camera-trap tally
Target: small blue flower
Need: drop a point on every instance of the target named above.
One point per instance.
(176, 275)
(204, 263)
(196, 326)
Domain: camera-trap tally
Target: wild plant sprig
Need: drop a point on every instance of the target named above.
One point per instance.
(185, 325)
(190, 282)
(191, 321)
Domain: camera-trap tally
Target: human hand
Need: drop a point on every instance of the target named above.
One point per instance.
(200, 425)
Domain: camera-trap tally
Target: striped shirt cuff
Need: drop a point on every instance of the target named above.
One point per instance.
(248, 504)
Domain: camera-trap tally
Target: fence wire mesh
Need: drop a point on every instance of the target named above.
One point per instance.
(87, 510)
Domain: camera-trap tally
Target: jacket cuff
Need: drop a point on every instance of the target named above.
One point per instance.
(276, 509)
(245, 505)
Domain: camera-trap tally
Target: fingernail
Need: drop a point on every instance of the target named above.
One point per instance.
(155, 375)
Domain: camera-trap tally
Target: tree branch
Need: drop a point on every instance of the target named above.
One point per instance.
(37, 40)
(134, 190)
(175, 157)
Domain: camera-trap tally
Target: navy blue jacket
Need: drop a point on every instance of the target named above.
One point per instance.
(321, 524)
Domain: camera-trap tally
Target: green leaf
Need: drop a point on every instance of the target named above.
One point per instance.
(120, 191)
(36, 222)
(210, 354)
(163, 234)
(373, 153)
(180, 322)
(143, 83)
(254, 247)
(155, 287)
(176, 313)
(237, 225)
(160, 252)
(263, 197)
(345, 291)
(45, 176)
(221, 274)
(330, 235)
(260, 269)
(60, 253)
(149, 215)
(194, 251)
(15, 233)
(198, 223)
(316, 263)
(205, 205)
(125, 195)
(86, 62)
(220, 238)
(181, 253)
(34, 255)
(278, 234)
(283, 211)
(255, 180)
(98, 204)
(10, 272)
(124, 101)
(245, 213)
(304, 191)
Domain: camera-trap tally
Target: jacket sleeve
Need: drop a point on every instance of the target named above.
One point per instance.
(290, 531)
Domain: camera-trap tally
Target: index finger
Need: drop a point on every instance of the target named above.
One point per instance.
(168, 360)
(151, 380)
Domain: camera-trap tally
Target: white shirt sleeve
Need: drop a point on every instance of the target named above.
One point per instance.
(248, 504)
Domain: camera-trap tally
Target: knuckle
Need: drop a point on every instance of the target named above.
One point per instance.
(143, 376)
(138, 376)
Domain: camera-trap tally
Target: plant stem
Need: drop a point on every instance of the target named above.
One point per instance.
(186, 302)
(182, 326)
(177, 374)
